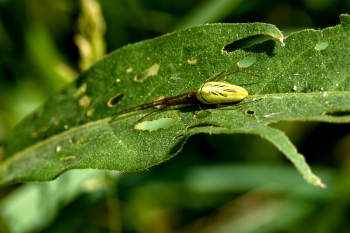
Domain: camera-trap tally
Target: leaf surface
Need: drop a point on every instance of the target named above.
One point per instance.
(75, 129)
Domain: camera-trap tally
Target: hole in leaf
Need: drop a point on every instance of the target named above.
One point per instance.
(178, 136)
(272, 114)
(203, 125)
(41, 130)
(337, 113)
(247, 61)
(192, 61)
(67, 157)
(80, 90)
(201, 115)
(80, 141)
(129, 70)
(84, 101)
(158, 99)
(115, 100)
(249, 112)
(245, 42)
(90, 112)
(322, 45)
(149, 72)
(161, 123)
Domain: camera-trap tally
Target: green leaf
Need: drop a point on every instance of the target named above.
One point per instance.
(307, 79)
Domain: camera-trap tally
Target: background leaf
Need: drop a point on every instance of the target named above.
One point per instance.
(73, 130)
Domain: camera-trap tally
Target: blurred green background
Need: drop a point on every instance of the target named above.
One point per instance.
(218, 183)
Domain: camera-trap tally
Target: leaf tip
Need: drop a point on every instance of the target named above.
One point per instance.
(317, 182)
(322, 185)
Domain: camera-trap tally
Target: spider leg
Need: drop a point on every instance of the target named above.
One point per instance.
(213, 76)
(162, 108)
(202, 109)
(234, 72)
(150, 113)
(158, 103)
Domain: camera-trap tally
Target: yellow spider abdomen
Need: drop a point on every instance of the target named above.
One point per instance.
(220, 93)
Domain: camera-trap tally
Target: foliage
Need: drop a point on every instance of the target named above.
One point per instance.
(242, 175)
(300, 81)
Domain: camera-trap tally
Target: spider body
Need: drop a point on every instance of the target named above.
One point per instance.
(220, 93)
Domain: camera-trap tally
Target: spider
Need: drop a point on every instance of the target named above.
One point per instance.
(218, 93)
